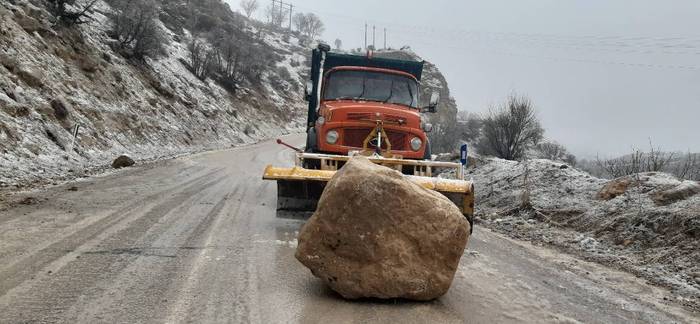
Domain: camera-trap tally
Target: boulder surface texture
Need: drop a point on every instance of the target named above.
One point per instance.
(376, 234)
(123, 161)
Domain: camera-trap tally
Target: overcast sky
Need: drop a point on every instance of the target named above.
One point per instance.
(605, 75)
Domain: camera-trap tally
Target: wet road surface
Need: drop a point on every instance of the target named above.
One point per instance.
(196, 240)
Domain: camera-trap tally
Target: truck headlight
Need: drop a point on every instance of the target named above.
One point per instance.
(331, 137)
(416, 143)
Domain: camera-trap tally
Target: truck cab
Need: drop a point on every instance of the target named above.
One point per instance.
(366, 105)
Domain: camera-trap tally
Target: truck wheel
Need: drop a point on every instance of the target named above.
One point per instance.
(428, 151)
(311, 145)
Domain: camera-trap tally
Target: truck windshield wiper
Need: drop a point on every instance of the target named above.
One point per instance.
(391, 92)
(410, 92)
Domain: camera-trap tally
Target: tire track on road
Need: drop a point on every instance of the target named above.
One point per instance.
(15, 274)
(142, 284)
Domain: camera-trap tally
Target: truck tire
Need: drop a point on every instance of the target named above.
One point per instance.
(428, 151)
(311, 145)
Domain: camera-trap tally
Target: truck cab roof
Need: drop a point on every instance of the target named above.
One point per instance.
(414, 68)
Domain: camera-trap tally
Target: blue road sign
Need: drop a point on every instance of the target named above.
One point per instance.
(463, 154)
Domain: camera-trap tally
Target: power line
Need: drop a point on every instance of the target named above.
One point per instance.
(516, 40)
(618, 44)
(568, 59)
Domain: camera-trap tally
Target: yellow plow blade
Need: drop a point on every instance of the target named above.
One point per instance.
(300, 188)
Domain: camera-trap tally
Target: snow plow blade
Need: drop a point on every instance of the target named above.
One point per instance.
(298, 188)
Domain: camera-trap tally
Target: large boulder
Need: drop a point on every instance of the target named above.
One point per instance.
(376, 234)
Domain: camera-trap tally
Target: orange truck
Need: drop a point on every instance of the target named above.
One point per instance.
(370, 106)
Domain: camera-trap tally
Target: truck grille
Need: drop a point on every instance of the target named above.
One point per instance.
(359, 116)
(355, 136)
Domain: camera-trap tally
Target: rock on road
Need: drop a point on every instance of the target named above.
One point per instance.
(196, 239)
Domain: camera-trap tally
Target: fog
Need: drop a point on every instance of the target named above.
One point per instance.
(604, 75)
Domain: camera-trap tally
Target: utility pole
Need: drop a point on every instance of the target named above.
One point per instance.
(384, 37)
(281, 17)
(365, 36)
(374, 37)
(277, 16)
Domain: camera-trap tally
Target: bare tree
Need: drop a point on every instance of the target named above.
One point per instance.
(136, 28)
(656, 160)
(638, 161)
(571, 160)
(202, 59)
(688, 167)
(309, 25)
(315, 27)
(300, 22)
(72, 17)
(622, 166)
(231, 59)
(509, 130)
(249, 7)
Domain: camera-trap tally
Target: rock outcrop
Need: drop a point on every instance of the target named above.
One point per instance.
(376, 234)
(614, 188)
(682, 191)
(123, 162)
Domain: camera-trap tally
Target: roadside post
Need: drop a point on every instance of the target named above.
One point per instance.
(75, 135)
(463, 159)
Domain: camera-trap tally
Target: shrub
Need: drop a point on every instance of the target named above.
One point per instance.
(469, 125)
(71, 17)
(683, 166)
(511, 129)
(201, 59)
(136, 28)
(552, 151)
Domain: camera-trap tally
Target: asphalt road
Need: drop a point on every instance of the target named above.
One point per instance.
(196, 239)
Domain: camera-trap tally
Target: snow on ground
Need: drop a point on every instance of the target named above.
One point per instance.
(648, 224)
(152, 111)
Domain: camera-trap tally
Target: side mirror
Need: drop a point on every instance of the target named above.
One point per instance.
(307, 90)
(434, 100)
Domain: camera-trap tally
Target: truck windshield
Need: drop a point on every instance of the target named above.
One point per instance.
(373, 86)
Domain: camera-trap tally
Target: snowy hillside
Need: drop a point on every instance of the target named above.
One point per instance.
(54, 78)
(646, 223)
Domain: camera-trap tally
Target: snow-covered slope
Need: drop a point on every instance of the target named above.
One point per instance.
(647, 223)
(53, 79)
